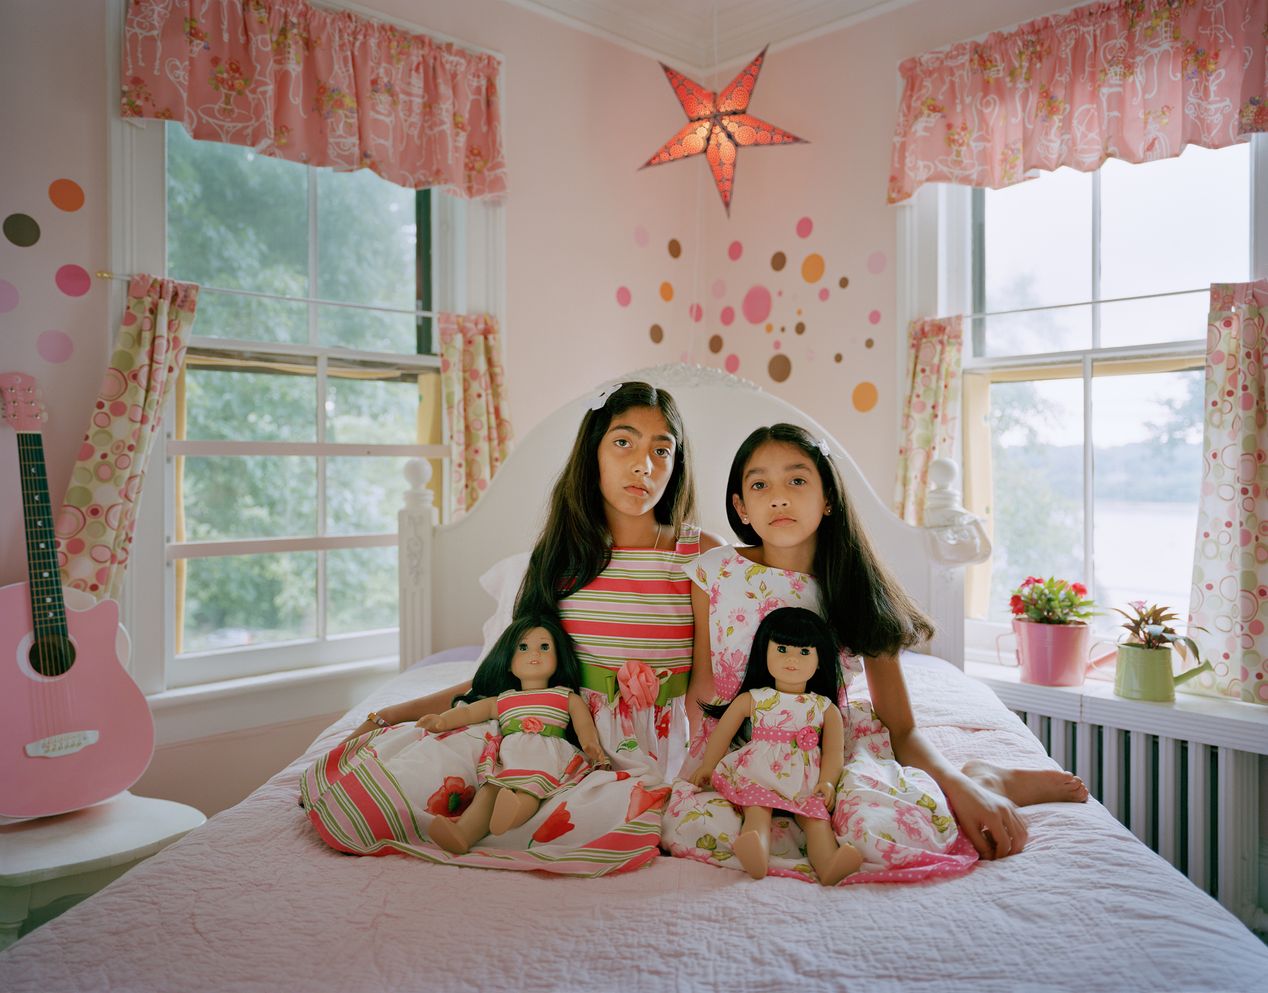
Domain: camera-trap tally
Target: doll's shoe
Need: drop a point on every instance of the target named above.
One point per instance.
(448, 836)
(844, 863)
(753, 851)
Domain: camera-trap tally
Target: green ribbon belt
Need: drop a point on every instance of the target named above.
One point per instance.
(547, 730)
(601, 680)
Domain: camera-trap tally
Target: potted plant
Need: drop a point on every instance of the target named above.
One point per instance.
(1049, 619)
(1143, 670)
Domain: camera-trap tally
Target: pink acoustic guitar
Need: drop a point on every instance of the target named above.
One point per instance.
(74, 728)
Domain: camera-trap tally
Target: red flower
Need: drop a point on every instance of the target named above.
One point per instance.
(453, 797)
(557, 824)
(1079, 589)
(622, 775)
(1017, 605)
(662, 724)
(531, 725)
(1031, 580)
(642, 800)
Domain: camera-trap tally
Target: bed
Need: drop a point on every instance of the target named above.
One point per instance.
(253, 900)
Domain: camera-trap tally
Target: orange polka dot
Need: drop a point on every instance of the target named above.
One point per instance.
(770, 328)
(812, 267)
(666, 292)
(865, 397)
(66, 194)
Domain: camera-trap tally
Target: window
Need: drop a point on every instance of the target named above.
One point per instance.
(1084, 365)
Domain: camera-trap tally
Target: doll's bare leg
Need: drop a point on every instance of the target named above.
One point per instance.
(511, 809)
(752, 845)
(458, 836)
(831, 862)
(1027, 786)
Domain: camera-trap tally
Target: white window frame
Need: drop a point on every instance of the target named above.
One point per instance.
(468, 274)
(935, 270)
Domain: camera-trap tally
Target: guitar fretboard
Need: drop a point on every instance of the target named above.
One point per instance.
(48, 612)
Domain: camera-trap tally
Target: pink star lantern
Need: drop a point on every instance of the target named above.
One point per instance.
(718, 126)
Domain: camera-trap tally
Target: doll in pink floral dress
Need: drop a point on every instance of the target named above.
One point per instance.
(795, 748)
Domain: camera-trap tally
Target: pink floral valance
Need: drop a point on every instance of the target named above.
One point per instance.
(320, 87)
(1132, 79)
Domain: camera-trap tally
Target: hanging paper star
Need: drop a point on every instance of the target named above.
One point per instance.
(717, 125)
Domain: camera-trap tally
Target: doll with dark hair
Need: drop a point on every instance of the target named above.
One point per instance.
(796, 746)
(529, 683)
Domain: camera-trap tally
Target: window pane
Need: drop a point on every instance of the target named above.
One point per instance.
(1142, 322)
(1037, 483)
(1063, 330)
(235, 219)
(369, 410)
(227, 405)
(251, 319)
(249, 497)
(1175, 224)
(362, 589)
(249, 600)
(1147, 438)
(363, 495)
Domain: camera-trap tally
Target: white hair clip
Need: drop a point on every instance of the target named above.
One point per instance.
(822, 445)
(601, 397)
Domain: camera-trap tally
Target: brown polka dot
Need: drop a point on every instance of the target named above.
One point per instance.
(657, 333)
(801, 327)
(869, 343)
(782, 329)
(715, 343)
(843, 282)
(837, 357)
(675, 249)
(779, 368)
(778, 261)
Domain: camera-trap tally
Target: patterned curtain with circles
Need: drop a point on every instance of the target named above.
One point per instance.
(98, 516)
(931, 411)
(476, 415)
(1229, 598)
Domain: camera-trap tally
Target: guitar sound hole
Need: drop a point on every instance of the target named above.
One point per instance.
(52, 655)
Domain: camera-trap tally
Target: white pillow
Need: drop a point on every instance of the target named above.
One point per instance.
(502, 582)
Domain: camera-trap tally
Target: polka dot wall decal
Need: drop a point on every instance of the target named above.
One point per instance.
(769, 327)
(640, 236)
(779, 367)
(623, 296)
(756, 305)
(843, 282)
(864, 397)
(675, 249)
(718, 289)
(54, 346)
(696, 312)
(776, 344)
(838, 357)
(869, 343)
(73, 280)
(666, 292)
(657, 333)
(778, 261)
(66, 194)
(823, 293)
(22, 230)
(804, 227)
(732, 362)
(8, 296)
(727, 316)
(735, 250)
(715, 343)
(800, 327)
(874, 317)
(812, 267)
(876, 263)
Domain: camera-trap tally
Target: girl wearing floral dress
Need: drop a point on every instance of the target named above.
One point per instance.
(805, 549)
(613, 560)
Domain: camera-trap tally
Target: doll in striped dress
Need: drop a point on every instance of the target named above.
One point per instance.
(529, 684)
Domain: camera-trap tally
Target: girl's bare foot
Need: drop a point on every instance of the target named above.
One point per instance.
(753, 851)
(1025, 787)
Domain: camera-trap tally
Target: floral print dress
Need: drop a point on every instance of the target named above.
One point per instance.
(895, 815)
(535, 756)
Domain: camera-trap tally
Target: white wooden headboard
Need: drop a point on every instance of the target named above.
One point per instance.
(442, 605)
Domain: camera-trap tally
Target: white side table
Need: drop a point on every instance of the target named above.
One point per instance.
(49, 864)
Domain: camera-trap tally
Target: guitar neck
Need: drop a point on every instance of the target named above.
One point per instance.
(48, 612)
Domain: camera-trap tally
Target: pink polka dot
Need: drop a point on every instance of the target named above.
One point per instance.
(735, 250)
(876, 263)
(75, 546)
(8, 296)
(804, 227)
(732, 363)
(105, 472)
(777, 343)
(696, 312)
(727, 315)
(874, 317)
(823, 293)
(757, 304)
(640, 236)
(623, 296)
(718, 289)
(73, 280)
(55, 346)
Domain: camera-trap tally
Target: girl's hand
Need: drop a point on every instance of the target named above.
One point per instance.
(828, 791)
(597, 756)
(991, 822)
(702, 777)
(431, 722)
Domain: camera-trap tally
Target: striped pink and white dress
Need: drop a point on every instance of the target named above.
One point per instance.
(632, 629)
(534, 756)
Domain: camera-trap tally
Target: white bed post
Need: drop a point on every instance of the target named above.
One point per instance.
(416, 522)
(957, 539)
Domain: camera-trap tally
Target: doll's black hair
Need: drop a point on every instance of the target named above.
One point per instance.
(494, 675)
(799, 628)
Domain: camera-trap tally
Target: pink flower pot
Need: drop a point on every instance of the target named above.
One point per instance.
(1051, 654)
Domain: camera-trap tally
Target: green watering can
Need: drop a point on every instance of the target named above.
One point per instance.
(1145, 674)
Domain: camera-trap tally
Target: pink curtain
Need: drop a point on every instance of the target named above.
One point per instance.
(98, 516)
(476, 415)
(1136, 80)
(931, 412)
(321, 87)
(1230, 559)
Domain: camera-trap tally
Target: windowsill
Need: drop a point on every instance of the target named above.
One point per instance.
(1203, 719)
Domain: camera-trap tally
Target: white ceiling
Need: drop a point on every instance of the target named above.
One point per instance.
(701, 35)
